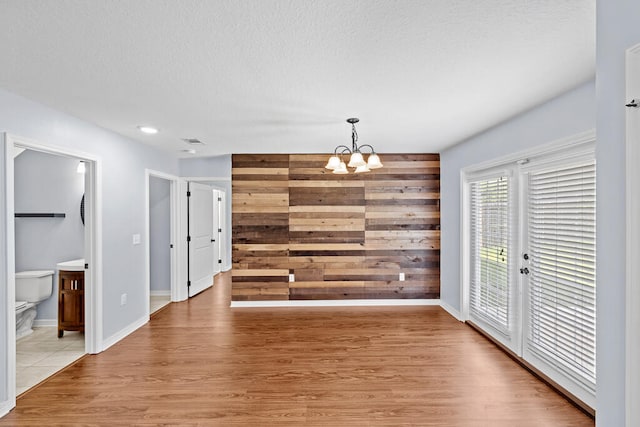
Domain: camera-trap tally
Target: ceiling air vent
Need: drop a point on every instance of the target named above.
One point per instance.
(193, 141)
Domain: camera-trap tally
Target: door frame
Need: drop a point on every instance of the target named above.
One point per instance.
(632, 317)
(183, 225)
(173, 233)
(217, 225)
(92, 250)
(222, 225)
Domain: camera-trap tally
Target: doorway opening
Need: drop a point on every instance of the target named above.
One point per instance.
(52, 229)
(161, 229)
(529, 261)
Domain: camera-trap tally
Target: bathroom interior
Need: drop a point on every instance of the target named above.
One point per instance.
(49, 261)
(49, 239)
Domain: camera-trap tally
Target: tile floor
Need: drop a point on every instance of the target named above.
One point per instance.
(41, 354)
(157, 302)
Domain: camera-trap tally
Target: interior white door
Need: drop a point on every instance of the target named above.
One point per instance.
(216, 226)
(221, 239)
(200, 238)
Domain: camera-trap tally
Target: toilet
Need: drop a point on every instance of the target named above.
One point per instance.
(32, 287)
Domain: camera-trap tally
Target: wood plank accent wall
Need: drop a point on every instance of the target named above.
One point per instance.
(343, 236)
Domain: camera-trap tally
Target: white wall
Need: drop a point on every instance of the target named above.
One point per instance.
(160, 233)
(215, 166)
(123, 204)
(569, 114)
(618, 28)
(47, 183)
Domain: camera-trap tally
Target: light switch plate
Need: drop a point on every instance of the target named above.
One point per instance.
(136, 239)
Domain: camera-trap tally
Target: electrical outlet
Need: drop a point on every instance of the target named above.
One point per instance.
(123, 299)
(401, 277)
(136, 239)
(292, 278)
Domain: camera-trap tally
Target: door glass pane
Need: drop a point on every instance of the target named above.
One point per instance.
(562, 287)
(489, 290)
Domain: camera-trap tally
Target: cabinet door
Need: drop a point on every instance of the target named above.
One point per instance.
(71, 301)
(71, 309)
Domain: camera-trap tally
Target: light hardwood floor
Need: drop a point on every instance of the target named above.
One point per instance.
(202, 363)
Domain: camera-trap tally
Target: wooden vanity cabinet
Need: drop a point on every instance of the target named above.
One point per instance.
(70, 301)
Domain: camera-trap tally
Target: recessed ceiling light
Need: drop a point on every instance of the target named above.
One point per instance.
(189, 151)
(148, 129)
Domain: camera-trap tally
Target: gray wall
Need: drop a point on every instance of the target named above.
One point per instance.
(215, 166)
(218, 166)
(47, 183)
(123, 164)
(617, 30)
(567, 115)
(4, 267)
(160, 233)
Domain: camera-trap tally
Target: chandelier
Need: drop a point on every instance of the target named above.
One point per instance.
(337, 164)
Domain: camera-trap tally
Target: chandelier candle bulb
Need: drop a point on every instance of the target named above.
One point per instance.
(356, 160)
(362, 168)
(341, 169)
(374, 161)
(334, 162)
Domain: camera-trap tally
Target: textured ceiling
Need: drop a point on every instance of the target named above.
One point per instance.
(249, 76)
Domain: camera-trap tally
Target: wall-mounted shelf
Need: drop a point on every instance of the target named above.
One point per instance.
(40, 215)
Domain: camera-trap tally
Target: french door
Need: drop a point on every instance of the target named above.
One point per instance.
(492, 288)
(530, 265)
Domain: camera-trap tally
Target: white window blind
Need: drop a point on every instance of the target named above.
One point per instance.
(562, 286)
(489, 290)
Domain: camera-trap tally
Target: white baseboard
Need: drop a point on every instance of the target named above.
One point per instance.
(335, 303)
(44, 323)
(160, 293)
(6, 406)
(452, 311)
(108, 342)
